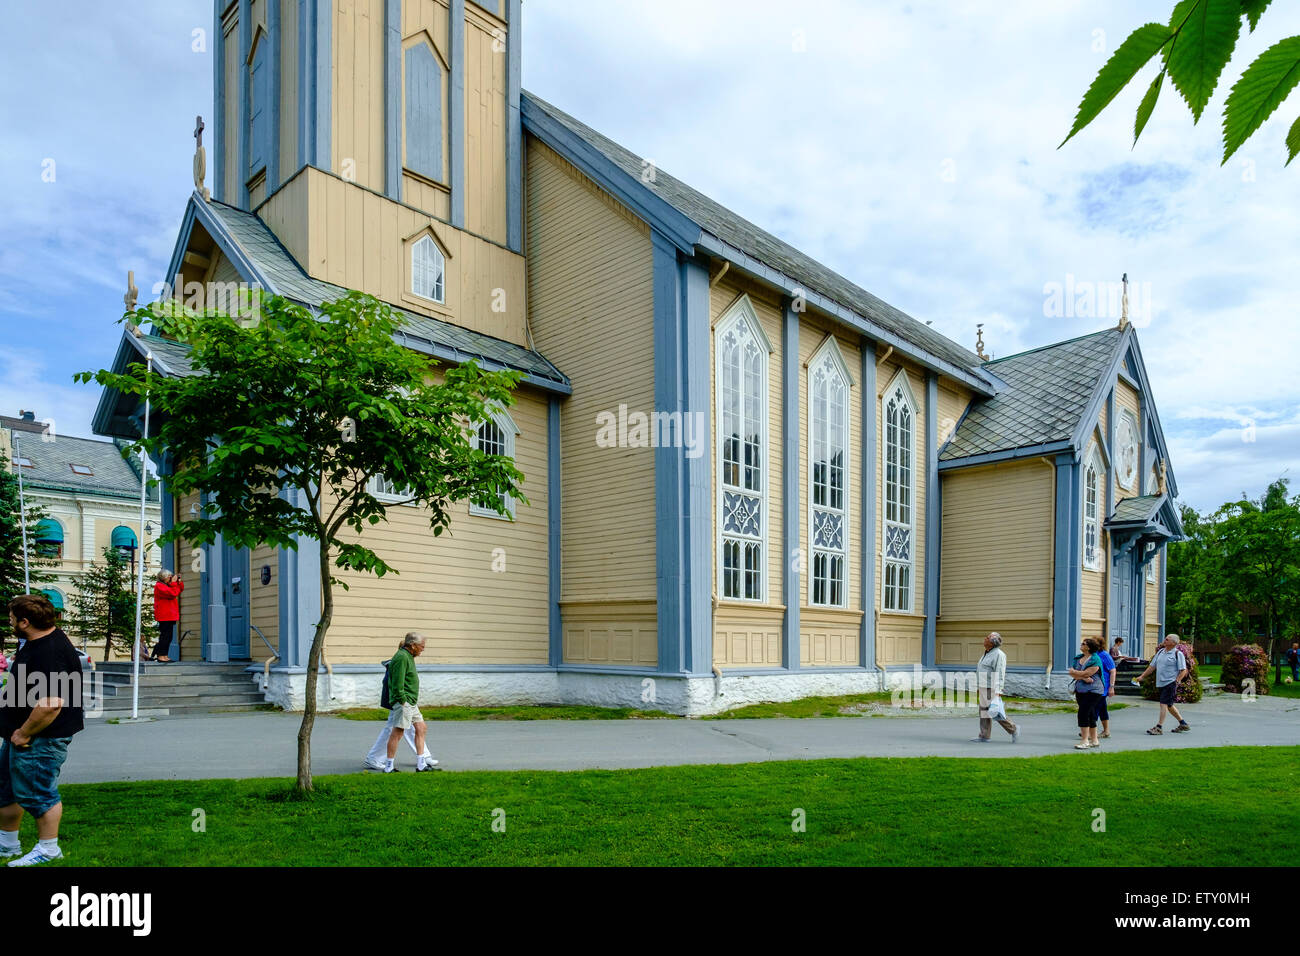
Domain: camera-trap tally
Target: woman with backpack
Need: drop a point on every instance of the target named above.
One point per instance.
(1089, 689)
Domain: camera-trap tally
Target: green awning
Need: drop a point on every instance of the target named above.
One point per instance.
(123, 537)
(55, 598)
(49, 530)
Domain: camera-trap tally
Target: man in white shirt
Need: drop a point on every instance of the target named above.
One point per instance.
(1171, 667)
(990, 677)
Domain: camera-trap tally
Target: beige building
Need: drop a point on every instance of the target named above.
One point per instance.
(748, 477)
(91, 495)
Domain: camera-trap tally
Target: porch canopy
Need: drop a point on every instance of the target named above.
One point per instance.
(1142, 525)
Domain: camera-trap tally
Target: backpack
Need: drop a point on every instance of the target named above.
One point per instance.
(385, 693)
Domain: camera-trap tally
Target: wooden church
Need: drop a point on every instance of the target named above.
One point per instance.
(748, 478)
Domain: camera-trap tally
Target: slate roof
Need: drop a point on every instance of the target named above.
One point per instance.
(51, 469)
(1048, 390)
(1141, 508)
(759, 244)
(287, 278)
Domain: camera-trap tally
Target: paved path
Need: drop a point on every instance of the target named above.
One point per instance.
(264, 744)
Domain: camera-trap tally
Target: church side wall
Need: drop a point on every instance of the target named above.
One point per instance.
(591, 304)
(997, 563)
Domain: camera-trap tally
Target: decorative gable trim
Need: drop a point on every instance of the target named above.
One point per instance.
(830, 346)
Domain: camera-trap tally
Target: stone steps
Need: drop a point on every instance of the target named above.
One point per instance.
(174, 689)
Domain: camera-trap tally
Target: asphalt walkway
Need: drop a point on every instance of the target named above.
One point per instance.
(265, 744)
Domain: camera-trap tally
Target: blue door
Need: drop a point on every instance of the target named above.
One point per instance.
(234, 565)
(1122, 604)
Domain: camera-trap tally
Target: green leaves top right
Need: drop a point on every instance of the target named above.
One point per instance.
(1195, 47)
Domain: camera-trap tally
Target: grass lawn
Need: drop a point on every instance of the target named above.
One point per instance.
(1214, 674)
(872, 705)
(1237, 805)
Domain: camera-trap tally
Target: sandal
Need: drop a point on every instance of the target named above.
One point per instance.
(1156, 731)
(1105, 735)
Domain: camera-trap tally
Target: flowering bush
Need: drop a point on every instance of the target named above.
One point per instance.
(1245, 662)
(1189, 691)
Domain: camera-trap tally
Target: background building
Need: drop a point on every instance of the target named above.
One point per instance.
(92, 497)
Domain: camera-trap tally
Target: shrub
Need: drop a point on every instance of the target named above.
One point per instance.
(1245, 662)
(1189, 691)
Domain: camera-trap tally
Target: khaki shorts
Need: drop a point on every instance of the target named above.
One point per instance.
(407, 714)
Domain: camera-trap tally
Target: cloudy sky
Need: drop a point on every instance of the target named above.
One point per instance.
(910, 146)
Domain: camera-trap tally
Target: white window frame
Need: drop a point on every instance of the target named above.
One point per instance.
(742, 313)
(509, 430)
(829, 354)
(374, 489)
(427, 242)
(1092, 461)
(899, 386)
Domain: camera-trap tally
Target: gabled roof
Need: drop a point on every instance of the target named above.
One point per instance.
(1145, 518)
(111, 474)
(261, 259)
(1048, 392)
(689, 218)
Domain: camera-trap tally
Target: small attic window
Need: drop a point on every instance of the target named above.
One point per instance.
(428, 270)
(81, 469)
(25, 463)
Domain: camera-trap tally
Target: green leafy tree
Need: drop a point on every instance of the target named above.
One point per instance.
(292, 416)
(104, 606)
(1201, 602)
(1195, 47)
(11, 542)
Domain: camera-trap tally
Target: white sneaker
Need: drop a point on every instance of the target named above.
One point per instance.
(36, 856)
(8, 854)
(373, 766)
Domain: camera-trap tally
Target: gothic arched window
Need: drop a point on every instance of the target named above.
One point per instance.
(899, 491)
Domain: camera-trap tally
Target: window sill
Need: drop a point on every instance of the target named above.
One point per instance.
(484, 513)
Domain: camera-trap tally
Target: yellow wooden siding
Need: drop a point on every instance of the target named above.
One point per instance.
(747, 636)
(447, 588)
(829, 637)
(191, 598)
(358, 95)
(264, 599)
(285, 214)
(359, 240)
(591, 303)
(485, 126)
(603, 633)
(953, 401)
(996, 561)
(288, 88)
(734, 640)
(898, 635)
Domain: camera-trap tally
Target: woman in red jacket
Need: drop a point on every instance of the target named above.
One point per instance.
(166, 611)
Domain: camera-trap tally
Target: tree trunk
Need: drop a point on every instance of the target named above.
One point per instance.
(313, 664)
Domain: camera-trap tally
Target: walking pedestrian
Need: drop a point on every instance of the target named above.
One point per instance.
(1088, 691)
(166, 611)
(990, 679)
(1108, 670)
(39, 714)
(1293, 661)
(404, 694)
(1170, 666)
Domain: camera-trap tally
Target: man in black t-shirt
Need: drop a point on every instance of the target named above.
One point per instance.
(40, 710)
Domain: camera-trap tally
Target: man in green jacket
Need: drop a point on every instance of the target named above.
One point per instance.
(404, 693)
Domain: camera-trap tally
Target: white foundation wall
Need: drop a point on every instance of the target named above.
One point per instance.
(685, 696)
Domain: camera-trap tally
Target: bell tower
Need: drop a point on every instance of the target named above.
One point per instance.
(414, 100)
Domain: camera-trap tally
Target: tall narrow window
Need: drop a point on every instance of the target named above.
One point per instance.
(828, 449)
(428, 270)
(259, 106)
(495, 436)
(899, 466)
(741, 355)
(1091, 513)
(424, 111)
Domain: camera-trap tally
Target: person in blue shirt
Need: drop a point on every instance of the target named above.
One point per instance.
(1108, 679)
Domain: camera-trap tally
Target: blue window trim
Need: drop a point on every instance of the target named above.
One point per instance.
(792, 587)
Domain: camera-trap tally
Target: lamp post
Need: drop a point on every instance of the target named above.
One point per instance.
(139, 589)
